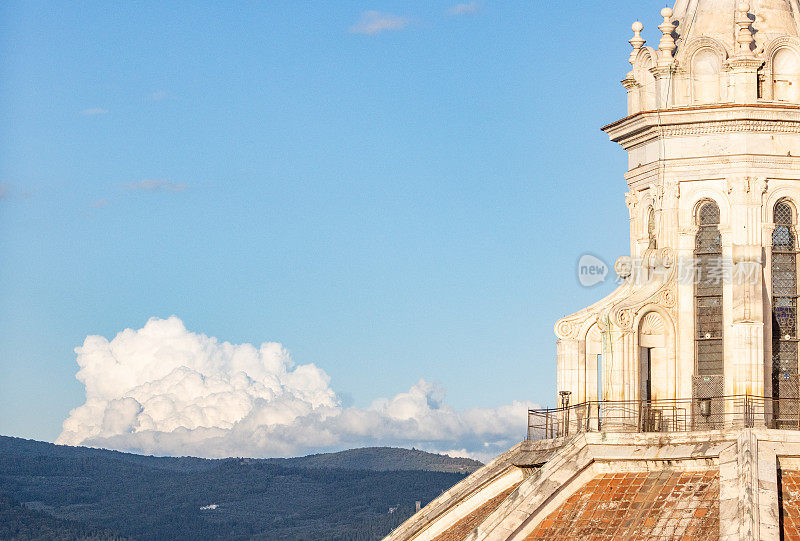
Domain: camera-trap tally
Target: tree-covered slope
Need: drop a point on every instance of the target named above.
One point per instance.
(336, 496)
(23, 524)
(383, 459)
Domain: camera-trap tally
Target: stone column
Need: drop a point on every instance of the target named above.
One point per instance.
(744, 361)
(685, 335)
(746, 357)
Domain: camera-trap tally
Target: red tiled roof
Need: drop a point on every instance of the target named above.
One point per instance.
(789, 503)
(656, 505)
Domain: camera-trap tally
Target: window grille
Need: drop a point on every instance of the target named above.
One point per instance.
(708, 292)
(708, 240)
(783, 213)
(782, 238)
(709, 214)
(784, 305)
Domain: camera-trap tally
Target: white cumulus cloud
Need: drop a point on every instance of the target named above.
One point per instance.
(374, 22)
(165, 390)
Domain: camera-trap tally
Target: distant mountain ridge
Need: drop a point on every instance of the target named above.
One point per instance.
(51, 491)
(383, 459)
(365, 458)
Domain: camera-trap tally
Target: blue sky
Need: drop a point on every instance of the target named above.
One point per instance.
(388, 205)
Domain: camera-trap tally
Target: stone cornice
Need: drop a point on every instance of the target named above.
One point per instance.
(708, 108)
(730, 126)
(761, 118)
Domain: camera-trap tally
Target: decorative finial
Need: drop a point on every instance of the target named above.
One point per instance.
(636, 41)
(745, 36)
(666, 47)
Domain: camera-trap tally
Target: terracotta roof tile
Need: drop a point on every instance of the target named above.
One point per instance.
(656, 505)
(789, 503)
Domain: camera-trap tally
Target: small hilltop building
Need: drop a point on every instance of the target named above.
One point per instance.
(679, 394)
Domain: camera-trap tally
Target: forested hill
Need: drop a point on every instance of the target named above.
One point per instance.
(383, 459)
(59, 492)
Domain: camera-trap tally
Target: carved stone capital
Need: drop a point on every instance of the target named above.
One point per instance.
(630, 83)
(632, 200)
(747, 189)
(672, 189)
(567, 329)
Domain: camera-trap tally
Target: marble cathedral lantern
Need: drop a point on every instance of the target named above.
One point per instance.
(708, 305)
(679, 402)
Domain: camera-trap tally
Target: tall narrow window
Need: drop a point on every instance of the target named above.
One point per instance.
(599, 377)
(651, 229)
(784, 305)
(708, 292)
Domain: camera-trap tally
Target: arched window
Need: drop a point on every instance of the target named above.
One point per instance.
(784, 306)
(708, 293)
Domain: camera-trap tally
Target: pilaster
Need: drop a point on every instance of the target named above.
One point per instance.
(632, 90)
(568, 358)
(664, 95)
(744, 79)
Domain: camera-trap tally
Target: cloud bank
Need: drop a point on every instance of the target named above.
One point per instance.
(374, 22)
(165, 390)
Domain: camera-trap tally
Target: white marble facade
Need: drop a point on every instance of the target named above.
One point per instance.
(713, 142)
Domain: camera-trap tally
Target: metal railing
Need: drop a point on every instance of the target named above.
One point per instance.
(674, 415)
